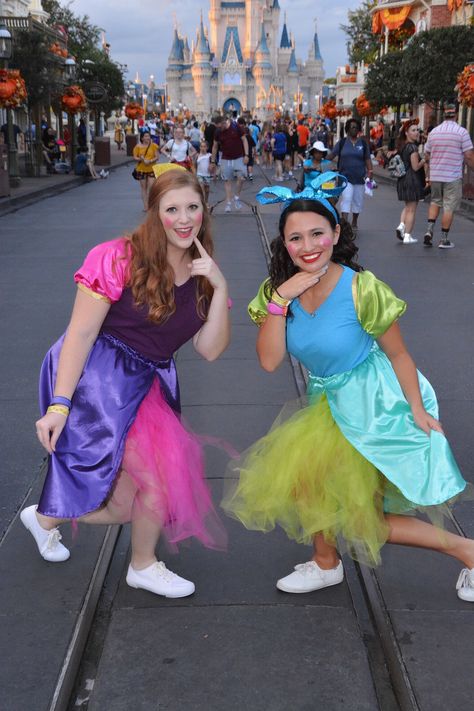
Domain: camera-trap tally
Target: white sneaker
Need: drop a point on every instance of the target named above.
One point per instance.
(237, 203)
(290, 174)
(309, 576)
(228, 207)
(400, 231)
(48, 542)
(465, 585)
(158, 579)
(408, 239)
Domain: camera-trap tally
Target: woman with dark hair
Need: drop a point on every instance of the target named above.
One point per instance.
(352, 157)
(368, 446)
(110, 396)
(411, 186)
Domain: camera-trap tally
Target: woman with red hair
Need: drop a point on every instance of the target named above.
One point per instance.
(109, 391)
(411, 186)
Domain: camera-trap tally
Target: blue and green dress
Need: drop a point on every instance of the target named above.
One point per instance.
(353, 452)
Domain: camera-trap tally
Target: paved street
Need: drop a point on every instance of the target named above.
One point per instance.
(238, 642)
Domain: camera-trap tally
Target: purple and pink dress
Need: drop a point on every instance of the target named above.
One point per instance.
(125, 412)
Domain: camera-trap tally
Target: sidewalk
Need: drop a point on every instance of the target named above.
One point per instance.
(33, 189)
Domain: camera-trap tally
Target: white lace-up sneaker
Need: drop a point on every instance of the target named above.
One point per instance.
(48, 542)
(228, 207)
(237, 203)
(309, 577)
(158, 579)
(465, 585)
(408, 239)
(400, 231)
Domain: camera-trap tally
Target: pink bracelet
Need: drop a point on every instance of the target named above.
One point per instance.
(276, 310)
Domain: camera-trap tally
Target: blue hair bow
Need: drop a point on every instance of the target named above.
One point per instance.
(315, 191)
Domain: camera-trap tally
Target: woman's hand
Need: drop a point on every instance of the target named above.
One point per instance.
(299, 283)
(206, 266)
(425, 421)
(48, 429)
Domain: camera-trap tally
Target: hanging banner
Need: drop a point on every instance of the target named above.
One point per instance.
(395, 17)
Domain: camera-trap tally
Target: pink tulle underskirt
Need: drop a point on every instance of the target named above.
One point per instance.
(166, 465)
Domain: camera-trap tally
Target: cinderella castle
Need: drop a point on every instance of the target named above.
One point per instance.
(243, 63)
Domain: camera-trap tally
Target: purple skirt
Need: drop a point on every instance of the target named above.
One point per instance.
(90, 449)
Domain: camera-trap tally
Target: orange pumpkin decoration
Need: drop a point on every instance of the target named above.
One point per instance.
(465, 86)
(7, 89)
(133, 110)
(73, 100)
(363, 106)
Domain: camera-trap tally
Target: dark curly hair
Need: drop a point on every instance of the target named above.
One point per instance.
(281, 265)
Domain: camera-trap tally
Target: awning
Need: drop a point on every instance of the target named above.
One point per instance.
(395, 17)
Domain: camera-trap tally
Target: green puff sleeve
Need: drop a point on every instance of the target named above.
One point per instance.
(258, 306)
(376, 305)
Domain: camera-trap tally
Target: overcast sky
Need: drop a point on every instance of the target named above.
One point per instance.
(140, 33)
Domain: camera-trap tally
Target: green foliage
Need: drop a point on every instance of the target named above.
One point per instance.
(433, 59)
(386, 84)
(83, 44)
(362, 44)
(82, 36)
(330, 80)
(40, 69)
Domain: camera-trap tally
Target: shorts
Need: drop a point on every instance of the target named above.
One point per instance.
(447, 195)
(232, 168)
(352, 199)
(302, 150)
(204, 179)
(279, 156)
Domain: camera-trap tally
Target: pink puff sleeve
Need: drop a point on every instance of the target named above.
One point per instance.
(105, 271)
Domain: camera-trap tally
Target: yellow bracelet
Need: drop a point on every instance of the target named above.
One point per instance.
(279, 300)
(60, 409)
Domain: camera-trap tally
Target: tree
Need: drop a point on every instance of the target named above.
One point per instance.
(386, 84)
(40, 69)
(93, 64)
(362, 44)
(433, 59)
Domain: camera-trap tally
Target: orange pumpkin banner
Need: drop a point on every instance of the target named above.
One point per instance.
(395, 17)
(376, 23)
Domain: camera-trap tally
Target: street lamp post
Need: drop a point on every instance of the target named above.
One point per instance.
(70, 72)
(6, 51)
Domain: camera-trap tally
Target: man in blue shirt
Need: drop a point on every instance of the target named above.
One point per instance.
(353, 161)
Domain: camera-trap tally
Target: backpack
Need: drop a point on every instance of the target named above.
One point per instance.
(396, 167)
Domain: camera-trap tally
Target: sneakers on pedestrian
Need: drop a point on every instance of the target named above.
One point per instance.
(228, 207)
(445, 243)
(159, 580)
(408, 239)
(428, 239)
(400, 231)
(465, 585)
(237, 203)
(308, 577)
(290, 174)
(48, 542)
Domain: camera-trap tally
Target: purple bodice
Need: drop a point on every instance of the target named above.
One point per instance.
(130, 324)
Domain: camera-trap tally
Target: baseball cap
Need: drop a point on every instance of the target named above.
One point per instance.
(449, 108)
(318, 146)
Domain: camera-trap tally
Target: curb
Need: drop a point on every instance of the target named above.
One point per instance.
(11, 204)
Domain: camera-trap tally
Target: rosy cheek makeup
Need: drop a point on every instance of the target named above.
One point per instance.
(168, 223)
(292, 249)
(325, 242)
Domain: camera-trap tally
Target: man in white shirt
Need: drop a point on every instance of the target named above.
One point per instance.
(447, 148)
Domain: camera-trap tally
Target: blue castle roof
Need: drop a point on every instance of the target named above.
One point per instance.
(317, 51)
(232, 33)
(285, 40)
(202, 45)
(292, 66)
(176, 54)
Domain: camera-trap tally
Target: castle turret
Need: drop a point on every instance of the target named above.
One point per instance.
(262, 70)
(253, 15)
(202, 71)
(284, 51)
(175, 68)
(313, 72)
